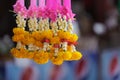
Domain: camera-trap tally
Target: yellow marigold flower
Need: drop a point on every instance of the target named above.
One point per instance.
(66, 55)
(64, 34)
(30, 54)
(73, 38)
(57, 60)
(46, 34)
(17, 38)
(38, 43)
(28, 39)
(69, 48)
(27, 33)
(52, 53)
(15, 52)
(55, 40)
(36, 35)
(23, 53)
(41, 57)
(76, 55)
(18, 31)
(19, 53)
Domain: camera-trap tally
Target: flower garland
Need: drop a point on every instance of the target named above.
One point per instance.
(50, 32)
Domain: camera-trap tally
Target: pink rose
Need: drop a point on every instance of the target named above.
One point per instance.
(32, 11)
(19, 8)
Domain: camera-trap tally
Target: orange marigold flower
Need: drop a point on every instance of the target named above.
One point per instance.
(76, 55)
(66, 55)
(18, 31)
(41, 57)
(64, 34)
(18, 38)
(73, 38)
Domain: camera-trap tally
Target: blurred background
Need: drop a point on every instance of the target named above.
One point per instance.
(98, 27)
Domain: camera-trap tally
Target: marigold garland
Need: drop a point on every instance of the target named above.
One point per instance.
(49, 35)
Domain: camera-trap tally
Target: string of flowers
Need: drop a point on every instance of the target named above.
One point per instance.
(45, 32)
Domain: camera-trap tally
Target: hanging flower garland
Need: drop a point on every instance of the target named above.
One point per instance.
(50, 32)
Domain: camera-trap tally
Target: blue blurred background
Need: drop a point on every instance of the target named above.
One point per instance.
(98, 26)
